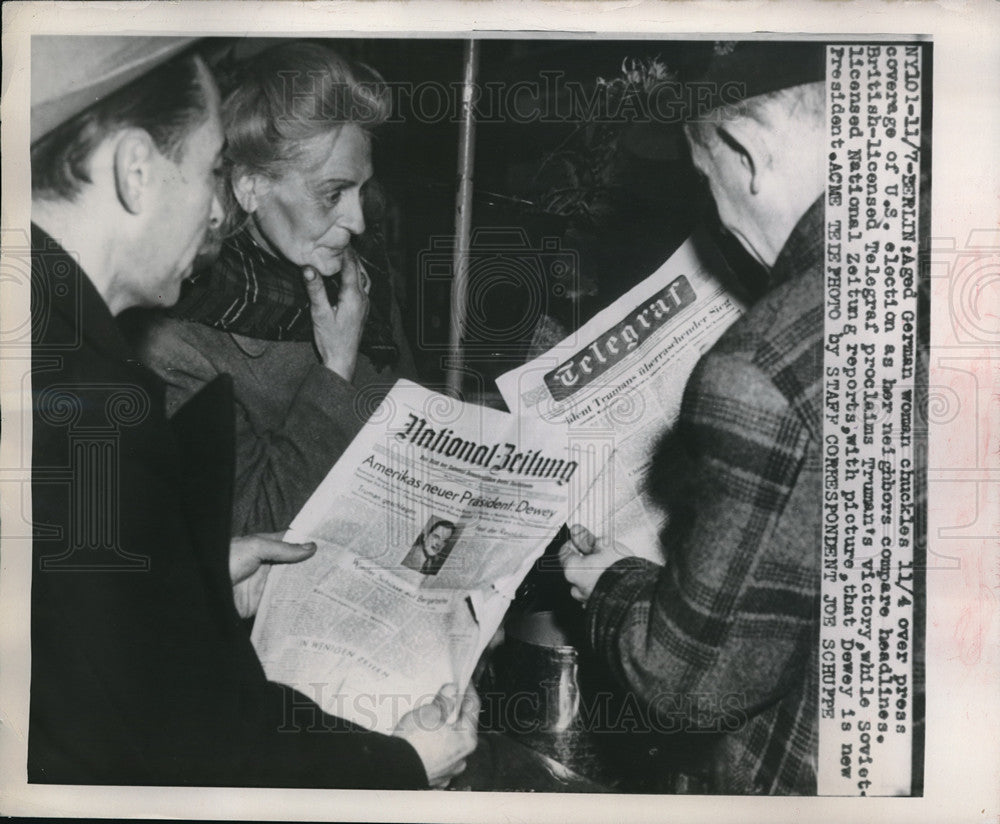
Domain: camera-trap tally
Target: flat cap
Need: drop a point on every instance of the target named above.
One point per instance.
(741, 70)
(731, 72)
(69, 73)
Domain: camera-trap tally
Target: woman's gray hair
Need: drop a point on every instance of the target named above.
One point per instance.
(291, 92)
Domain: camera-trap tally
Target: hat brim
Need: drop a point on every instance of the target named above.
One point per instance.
(70, 73)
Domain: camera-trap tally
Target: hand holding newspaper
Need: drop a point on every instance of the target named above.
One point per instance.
(438, 509)
(424, 528)
(616, 384)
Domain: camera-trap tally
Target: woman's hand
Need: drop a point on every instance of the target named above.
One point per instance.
(250, 557)
(337, 329)
(584, 558)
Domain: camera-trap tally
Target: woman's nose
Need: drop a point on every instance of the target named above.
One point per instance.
(352, 217)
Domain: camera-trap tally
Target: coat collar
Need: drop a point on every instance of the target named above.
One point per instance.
(804, 247)
(64, 289)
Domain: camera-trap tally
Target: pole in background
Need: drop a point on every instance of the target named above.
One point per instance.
(463, 218)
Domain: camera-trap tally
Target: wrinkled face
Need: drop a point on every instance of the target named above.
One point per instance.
(311, 212)
(185, 206)
(729, 179)
(436, 540)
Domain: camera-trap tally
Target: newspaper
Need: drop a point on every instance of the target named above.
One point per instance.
(958, 264)
(424, 527)
(359, 626)
(617, 383)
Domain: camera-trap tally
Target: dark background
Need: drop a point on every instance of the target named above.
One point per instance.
(528, 263)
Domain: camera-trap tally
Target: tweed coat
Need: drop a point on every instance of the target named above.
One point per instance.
(725, 635)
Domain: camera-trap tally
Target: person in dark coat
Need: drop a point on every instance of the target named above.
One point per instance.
(733, 614)
(141, 669)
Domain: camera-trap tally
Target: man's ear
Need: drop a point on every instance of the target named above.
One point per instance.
(753, 156)
(249, 187)
(133, 166)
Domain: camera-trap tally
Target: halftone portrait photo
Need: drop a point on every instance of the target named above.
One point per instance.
(432, 546)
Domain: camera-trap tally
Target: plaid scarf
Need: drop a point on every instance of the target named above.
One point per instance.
(251, 292)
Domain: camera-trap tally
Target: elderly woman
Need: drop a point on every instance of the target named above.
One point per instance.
(288, 308)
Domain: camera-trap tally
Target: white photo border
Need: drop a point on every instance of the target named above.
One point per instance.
(962, 762)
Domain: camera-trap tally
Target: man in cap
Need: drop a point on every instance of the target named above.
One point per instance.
(725, 634)
(142, 671)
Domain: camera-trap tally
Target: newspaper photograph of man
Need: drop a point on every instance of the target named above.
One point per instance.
(431, 548)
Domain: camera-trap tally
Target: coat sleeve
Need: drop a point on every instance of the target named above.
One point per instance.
(279, 468)
(142, 672)
(301, 746)
(165, 694)
(726, 616)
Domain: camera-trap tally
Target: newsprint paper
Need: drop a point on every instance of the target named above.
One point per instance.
(370, 627)
(619, 379)
(908, 668)
(377, 622)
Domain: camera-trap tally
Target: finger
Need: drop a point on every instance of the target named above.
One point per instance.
(470, 743)
(572, 561)
(364, 279)
(318, 301)
(577, 594)
(447, 700)
(583, 539)
(352, 297)
(350, 274)
(471, 704)
(442, 782)
(280, 552)
(567, 552)
(243, 560)
(498, 638)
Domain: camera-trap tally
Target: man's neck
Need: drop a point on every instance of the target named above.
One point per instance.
(781, 219)
(803, 246)
(82, 230)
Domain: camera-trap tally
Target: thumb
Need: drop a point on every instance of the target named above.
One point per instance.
(282, 552)
(583, 539)
(318, 300)
(471, 705)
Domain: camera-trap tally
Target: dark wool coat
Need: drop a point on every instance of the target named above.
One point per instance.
(142, 672)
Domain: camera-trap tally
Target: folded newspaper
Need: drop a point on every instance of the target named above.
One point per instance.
(424, 527)
(438, 509)
(616, 384)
